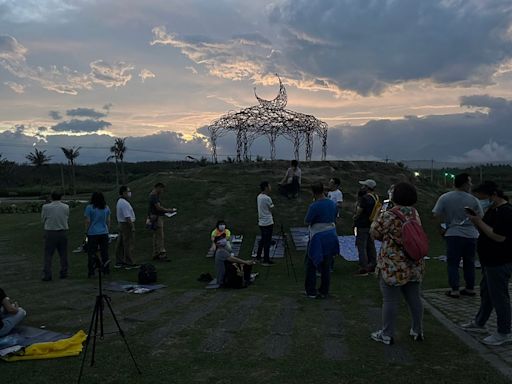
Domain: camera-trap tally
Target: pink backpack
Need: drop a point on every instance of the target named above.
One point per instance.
(414, 238)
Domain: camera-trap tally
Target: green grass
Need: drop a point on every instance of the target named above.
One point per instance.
(203, 195)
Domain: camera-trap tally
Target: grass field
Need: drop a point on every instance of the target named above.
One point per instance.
(267, 333)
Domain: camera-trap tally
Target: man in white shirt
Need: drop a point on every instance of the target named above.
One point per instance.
(266, 223)
(55, 217)
(335, 194)
(126, 219)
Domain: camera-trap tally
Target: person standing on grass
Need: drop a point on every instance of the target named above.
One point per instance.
(289, 186)
(126, 220)
(97, 225)
(323, 245)
(460, 234)
(11, 314)
(363, 217)
(55, 217)
(398, 273)
(156, 213)
(335, 195)
(495, 251)
(266, 223)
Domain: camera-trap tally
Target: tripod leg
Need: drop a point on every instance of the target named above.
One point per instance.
(121, 332)
(98, 312)
(87, 340)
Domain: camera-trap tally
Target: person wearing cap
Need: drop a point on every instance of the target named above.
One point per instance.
(222, 259)
(459, 233)
(363, 217)
(494, 247)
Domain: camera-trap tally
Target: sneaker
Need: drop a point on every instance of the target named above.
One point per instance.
(380, 337)
(131, 266)
(498, 339)
(361, 272)
(119, 265)
(311, 296)
(465, 292)
(46, 279)
(269, 263)
(416, 336)
(473, 327)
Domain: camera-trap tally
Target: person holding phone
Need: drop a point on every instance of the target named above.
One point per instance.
(459, 233)
(495, 252)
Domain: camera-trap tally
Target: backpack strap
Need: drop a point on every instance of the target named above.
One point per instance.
(401, 216)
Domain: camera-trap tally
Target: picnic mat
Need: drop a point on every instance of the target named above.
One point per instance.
(126, 286)
(276, 249)
(64, 347)
(348, 248)
(236, 244)
(24, 336)
(300, 237)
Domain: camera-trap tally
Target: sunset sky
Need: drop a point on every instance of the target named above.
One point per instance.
(405, 79)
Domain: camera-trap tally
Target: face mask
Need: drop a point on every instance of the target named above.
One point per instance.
(129, 194)
(485, 203)
(222, 227)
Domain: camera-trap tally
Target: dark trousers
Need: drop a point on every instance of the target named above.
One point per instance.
(93, 243)
(458, 248)
(55, 241)
(124, 245)
(366, 249)
(325, 275)
(265, 242)
(494, 295)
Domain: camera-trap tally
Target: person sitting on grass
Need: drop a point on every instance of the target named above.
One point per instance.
(289, 186)
(11, 314)
(231, 271)
(220, 230)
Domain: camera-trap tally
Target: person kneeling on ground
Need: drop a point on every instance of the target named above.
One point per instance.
(221, 230)
(398, 273)
(10, 314)
(232, 272)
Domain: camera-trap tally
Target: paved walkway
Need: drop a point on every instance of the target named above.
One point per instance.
(453, 312)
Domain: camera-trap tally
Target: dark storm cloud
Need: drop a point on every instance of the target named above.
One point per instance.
(55, 115)
(85, 112)
(77, 126)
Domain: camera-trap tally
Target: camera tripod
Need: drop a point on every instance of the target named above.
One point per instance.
(97, 318)
(287, 255)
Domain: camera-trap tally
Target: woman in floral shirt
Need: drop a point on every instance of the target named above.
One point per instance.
(398, 274)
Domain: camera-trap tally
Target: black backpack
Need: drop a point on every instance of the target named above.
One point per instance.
(147, 274)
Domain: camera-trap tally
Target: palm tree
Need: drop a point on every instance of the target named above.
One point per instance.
(39, 159)
(71, 154)
(118, 150)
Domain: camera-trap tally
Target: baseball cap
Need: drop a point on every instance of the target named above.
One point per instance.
(370, 183)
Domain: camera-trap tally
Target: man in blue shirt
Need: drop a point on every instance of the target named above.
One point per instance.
(323, 242)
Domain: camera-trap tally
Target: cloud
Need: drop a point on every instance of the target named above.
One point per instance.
(346, 46)
(15, 87)
(80, 126)
(110, 75)
(146, 74)
(192, 69)
(491, 152)
(61, 80)
(367, 46)
(85, 112)
(55, 115)
(107, 107)
(235, 59)
(35, 11)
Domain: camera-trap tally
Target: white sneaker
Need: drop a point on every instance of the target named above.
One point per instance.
(498, 339)
(473, 327)
(416, 336)
(380, 337)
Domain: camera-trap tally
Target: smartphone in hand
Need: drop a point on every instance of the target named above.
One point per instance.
(470, 211)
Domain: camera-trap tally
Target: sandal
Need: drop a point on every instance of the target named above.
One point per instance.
(450, 294)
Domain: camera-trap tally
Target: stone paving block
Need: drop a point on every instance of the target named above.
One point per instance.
(277, 344)
(334, 345)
